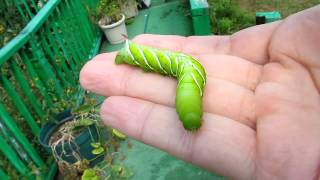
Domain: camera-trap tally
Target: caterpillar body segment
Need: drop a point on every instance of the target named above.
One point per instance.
(189, 72)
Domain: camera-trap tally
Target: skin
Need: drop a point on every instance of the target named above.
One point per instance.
(261, 102)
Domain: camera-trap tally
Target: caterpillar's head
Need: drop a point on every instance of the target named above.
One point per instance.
(125, 55)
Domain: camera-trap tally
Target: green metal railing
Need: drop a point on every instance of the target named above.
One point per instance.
(39, 70)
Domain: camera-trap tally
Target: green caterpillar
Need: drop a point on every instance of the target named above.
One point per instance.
(189, 72)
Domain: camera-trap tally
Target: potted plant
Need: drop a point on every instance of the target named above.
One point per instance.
(129, 8)
(75, 138)
(112, 20)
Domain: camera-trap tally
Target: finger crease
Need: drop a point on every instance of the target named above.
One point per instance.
(146, 118)
(248, 77)
(191, 150)
(186, 145)
(227, 43)
(246, 113)
(125, 80)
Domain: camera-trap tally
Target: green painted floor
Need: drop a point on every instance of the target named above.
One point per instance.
(149, 163)
(163, 18)
(146, 162)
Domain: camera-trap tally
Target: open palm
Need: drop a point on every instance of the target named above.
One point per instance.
(261, 100)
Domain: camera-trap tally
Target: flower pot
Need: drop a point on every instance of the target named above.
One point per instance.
(82, 141)
(116, 32)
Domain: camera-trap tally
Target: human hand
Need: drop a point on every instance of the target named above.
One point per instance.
(261, 102)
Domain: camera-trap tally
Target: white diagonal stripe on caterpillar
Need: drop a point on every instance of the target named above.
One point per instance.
(177, 65)
(181, 68)
(195, 80)
(180, 79)
(167, 57)
(144, 57)
(130, 53)
(200, 73)
(157, 59)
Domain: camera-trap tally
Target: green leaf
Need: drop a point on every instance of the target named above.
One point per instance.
(97, 151)
(121, 171)
(83, 109)
(118, 134)
(117, 168)
(89, 174)
(95, 144)
(84, 122)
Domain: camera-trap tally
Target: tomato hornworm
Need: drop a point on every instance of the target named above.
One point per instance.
(189, 72)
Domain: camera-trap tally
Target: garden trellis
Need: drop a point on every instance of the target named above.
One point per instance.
(39, 71)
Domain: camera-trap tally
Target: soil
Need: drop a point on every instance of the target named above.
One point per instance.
(108, 20)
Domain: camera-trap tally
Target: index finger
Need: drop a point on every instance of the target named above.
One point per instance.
(251, 43)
